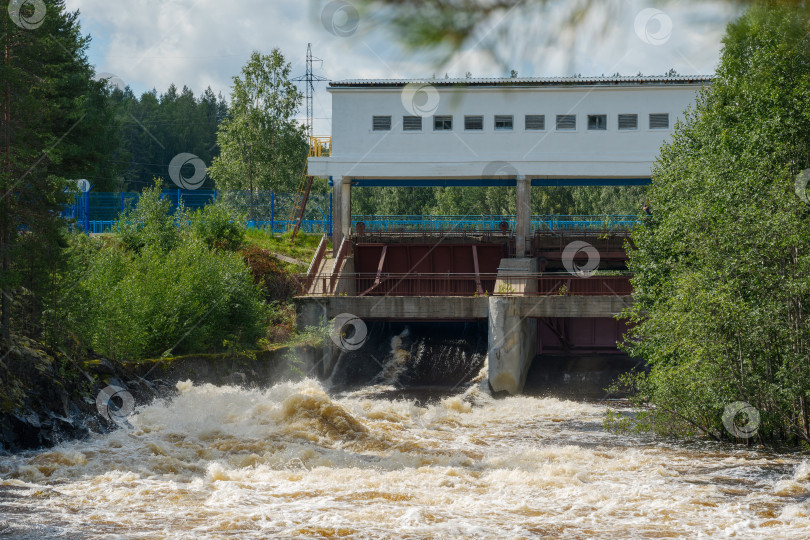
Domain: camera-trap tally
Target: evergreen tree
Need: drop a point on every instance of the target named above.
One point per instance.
(56, 126)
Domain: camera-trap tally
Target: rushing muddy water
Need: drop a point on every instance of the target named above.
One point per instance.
(293, 461)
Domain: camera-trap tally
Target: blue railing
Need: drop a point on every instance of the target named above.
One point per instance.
(99, 212)
(393, 223)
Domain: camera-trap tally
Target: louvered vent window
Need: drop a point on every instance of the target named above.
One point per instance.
(442, 123)
(566, 122)
(659, 121)
(412, 123)
(474, 123)
(503, 122)
(597, 121)
(535, 121)
(381, 123)
(628, 121)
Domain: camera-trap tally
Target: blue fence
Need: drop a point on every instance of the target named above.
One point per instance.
(392, 224)
(100, 212)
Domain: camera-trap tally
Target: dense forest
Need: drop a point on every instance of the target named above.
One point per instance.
(152, 129)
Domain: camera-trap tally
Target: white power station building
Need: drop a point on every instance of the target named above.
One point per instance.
(567, 131)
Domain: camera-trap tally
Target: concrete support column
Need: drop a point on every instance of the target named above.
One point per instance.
(346, 206)
(523, 227)
(337, 232)
(512, 338)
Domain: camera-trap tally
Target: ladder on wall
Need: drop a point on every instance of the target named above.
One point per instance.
(318, 147)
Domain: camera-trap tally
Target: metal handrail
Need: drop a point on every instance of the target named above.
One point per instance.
(312, 271)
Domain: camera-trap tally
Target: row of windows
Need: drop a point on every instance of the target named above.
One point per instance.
(532, 122)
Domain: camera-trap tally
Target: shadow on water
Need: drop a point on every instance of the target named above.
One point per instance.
(578, 376)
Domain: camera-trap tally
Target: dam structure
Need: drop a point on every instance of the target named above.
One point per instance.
(545, 285)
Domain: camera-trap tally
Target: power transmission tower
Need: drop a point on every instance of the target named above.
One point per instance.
(302, 195)
(310, 79)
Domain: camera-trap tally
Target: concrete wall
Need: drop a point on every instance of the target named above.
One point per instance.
(360, 152)
(429, 308)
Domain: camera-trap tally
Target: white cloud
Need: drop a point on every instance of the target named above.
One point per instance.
(200, 43)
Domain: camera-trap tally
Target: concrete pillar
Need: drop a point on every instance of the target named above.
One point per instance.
(523, 227)
(346, 206)
(337, 234)
(512, 338)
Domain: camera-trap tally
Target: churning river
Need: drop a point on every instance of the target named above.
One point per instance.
(295, 461)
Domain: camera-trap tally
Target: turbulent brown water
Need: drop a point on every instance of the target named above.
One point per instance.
(293, 461)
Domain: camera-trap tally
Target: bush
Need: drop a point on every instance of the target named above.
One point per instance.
(219, 227)
(150, 223)
(190, 299)
(277, 283)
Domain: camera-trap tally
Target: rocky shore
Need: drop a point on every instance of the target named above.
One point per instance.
(47, 397)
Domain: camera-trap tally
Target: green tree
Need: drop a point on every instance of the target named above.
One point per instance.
(262, 146)
(722, 269)
(55, 125)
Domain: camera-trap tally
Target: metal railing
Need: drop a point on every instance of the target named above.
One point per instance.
(375, 224)
(99, 212)
(320, 146)
(417, 284)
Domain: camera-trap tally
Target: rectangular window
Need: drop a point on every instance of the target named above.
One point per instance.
(566, 122)
(535, 122)
(659, 121)
(628, 121)
(381, 123)
(503, 122)
(412, 123)
(597, 122)
(442, 123)
(475, 123)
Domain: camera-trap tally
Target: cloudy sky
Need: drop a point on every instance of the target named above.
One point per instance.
(200, 43)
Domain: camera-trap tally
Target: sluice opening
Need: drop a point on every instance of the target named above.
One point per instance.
(408, 357)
